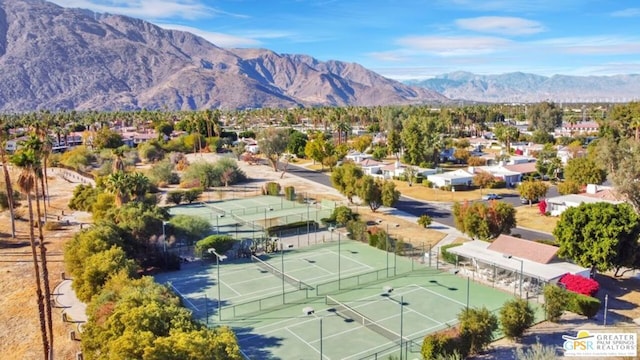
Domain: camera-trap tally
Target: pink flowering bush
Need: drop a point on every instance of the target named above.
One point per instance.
(579, 284)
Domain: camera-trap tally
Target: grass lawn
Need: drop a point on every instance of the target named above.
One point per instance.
(529, 217)
(418, 191)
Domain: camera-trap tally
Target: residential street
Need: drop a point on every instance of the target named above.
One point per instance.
(439, 212)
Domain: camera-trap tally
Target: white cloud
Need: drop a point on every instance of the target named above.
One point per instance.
(390, 56)
(597, 45)
(218, 39)
(501, 25)
(148, 9)
(630, 12)
(454, 45)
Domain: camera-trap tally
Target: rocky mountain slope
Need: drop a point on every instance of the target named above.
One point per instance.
(522, 87)
(58, 58)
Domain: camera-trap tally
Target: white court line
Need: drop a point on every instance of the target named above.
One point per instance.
(412, 310)
(227, 285)
(304, 341)
(351, 259)
(183, 297)
(435, 293)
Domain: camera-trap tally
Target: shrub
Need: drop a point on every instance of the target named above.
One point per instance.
(357, 230)
(84, 196)
(424, 220)
(579, 284)
(515, 317)
(583, 304)
(476, 328)
(175, 197)
(427, 183)
(221, 244)
(289, 193)
(555, 300)
(192, 195)
(435, 345)
(446, 255)
(277, 229)
(53, 225)
(271, 188)
(498, 184)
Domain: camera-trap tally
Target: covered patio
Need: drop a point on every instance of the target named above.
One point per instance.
(521, 266)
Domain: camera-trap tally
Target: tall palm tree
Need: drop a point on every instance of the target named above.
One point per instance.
(27, 183)
(7, 180)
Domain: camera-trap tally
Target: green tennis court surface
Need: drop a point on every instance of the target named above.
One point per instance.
(347, 285)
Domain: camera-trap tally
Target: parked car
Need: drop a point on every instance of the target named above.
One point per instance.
(526, 202)
(491, 197)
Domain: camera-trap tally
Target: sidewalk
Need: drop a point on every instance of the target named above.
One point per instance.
(74, 309)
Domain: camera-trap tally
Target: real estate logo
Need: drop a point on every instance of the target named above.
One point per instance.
(587, 343)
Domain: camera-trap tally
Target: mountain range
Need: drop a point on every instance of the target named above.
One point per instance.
(60, 58)
(523, 87)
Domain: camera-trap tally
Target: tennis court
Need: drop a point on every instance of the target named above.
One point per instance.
(249, 286)
(247, 218)
(362, 298)
(367, 322)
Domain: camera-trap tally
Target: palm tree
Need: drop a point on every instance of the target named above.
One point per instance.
(25, 159)
(139, 185)
(119, 185)
(7, 182)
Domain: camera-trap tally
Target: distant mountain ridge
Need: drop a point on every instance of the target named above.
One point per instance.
(59, 58)
(523, 87)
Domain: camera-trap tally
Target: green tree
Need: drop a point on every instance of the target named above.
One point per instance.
(483, 180)
(389, 193)
(98, 268)
(273, 143)
(297, 143)
(190, 228)
(602, 236)
(484, 221)
(515, 317)
(584, 171)
(569, 187)
(532, 190)
(410, 173)
(318, 148)
(477, 327)
(506, 134)
(622, 160)
(106, 138)
(369, 190)
(544, 116)
(361, 143)
(548, 162)
(345, 179)
(394, 143)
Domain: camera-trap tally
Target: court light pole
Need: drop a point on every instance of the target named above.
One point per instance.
(521, 269)
(339, 257)
(164, 241)
(401, 324)
(218, 259)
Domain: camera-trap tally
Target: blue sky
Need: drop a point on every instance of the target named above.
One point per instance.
(415, 39)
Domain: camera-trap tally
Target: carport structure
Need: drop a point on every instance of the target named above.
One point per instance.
(516, 264)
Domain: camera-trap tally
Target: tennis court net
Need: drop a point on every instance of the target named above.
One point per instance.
(351, 313)
(275, 271)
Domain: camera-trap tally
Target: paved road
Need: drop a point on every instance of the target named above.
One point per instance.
(439, 212)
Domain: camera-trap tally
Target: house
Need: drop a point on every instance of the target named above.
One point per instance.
(565, 153)
(512, 262)
(357, 156)
(583, 128)
(452, 178)
(523, 168)
(558, 204)
(500, 172)
(371, 167)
